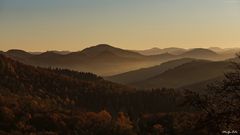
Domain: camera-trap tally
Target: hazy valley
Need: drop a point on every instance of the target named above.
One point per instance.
(153, 68)
(108, 90)
(119, 67)
(106, 60)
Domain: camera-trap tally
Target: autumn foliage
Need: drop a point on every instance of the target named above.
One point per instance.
(47, 101)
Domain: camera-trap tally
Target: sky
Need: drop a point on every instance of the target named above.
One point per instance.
(40, 25)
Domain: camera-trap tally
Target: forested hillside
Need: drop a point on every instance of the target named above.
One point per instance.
(39, 100)
(42, 101)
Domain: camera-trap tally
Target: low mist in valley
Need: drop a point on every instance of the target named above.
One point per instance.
(119, 67)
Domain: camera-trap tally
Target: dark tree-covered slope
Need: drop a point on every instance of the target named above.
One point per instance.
(36, 100)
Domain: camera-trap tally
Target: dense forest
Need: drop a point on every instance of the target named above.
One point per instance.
(49, 101)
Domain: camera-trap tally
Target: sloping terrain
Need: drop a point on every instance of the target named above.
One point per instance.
(36, 100)
(186, 74)
(146, 73)
(106, 60)
(156, 51)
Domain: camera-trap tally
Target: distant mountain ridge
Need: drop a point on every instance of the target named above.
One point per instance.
(95, 50)
(92, 59)
(179, 51)
(156, 51)
(36, 77)
(186, 75)
(145, 73)
(200, 53)
(181, 73)
(106, 60)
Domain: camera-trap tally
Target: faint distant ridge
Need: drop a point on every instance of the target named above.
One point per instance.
(187, 74)
(106, 60)
(228, 52)
(55, 51)
(156, 51)
(49, 54)
(61, 52)
(100, 59)
(216, 49)
(96, 50)
(18, 53)
(200, 53)
(47, 57)
(146, 73)
(152, 51)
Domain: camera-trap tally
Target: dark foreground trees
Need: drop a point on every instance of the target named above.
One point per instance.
(36, 100)
(220, 104)
(55, 101)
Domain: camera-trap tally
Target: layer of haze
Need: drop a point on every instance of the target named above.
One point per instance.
(133, 24)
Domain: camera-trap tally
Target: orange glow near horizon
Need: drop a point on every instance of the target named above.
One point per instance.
(74, 25)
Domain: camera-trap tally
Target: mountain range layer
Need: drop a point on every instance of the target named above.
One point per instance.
(106, 60)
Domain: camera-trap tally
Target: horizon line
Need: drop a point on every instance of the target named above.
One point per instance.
(48, 50)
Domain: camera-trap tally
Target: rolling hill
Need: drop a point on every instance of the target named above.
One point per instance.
(200, 53)
(156, 51)
(145, 73)
(101, 48)
(36, 100)
(201, 86)
(101, 59)
(187, 74)
(106, 60)
(51, 80)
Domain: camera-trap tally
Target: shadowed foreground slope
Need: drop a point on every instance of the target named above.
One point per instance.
(56, 101)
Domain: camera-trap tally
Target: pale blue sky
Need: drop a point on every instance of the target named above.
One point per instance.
(132, 24)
